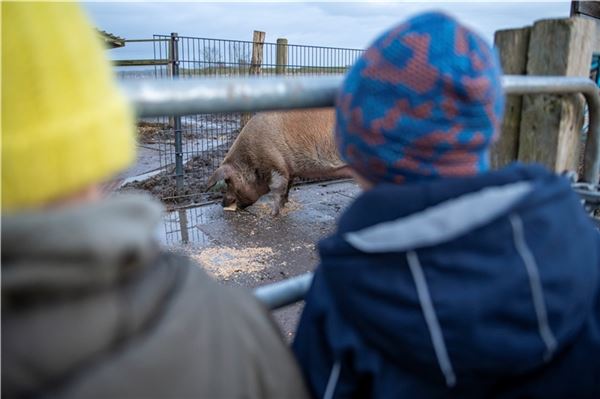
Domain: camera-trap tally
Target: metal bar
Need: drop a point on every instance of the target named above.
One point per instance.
(254, 94)
(203, 96)
(145, 40)
(283, 293)
(292, 290)
(139, 62)
(560, 85)
(174, 57)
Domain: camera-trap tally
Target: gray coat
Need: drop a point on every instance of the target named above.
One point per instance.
(91, 307)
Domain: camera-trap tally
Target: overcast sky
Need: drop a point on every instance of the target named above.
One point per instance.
(337, 24)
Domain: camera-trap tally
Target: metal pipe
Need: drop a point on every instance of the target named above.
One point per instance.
(180, 97)
(283, 293)
(145, 40)
(210, 95)
(562, 85)
(206, 95)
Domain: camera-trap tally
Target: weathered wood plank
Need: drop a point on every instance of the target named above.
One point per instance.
(281, 56)
(589, 9)
(258, 40)
(551, 125)
(512, 45)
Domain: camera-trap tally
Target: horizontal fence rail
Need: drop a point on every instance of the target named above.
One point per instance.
(564, 85)
(184, 151)
(286, 292)
(190, 96)
(200, 96)
(183, 97)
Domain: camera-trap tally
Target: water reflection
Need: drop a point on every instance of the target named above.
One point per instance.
(181, 225)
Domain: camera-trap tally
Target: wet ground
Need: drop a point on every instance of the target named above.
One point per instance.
(205, 140)
(246, 248)
(250, 248)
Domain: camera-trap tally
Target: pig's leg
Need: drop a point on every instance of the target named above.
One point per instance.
(288, 188)
(279, 185)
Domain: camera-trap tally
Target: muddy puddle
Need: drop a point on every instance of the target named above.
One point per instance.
(250, 248)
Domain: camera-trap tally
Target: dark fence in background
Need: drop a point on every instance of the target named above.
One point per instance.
(191, 147)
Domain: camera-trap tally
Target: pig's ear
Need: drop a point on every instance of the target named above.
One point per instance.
(219, 177)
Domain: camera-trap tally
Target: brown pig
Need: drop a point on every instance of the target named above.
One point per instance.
(273, 149)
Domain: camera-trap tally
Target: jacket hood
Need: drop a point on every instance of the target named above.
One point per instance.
(76, 284)
(498, 271)
(44, 250)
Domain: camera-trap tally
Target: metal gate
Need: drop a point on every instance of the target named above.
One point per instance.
(192, 146)
(245, 95)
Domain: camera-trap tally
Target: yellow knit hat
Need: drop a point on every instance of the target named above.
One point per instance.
(65, 126)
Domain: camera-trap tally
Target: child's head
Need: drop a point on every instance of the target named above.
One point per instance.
(65, 127)
(424, 101)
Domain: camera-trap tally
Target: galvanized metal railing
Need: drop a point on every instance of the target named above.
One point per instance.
(193, 96)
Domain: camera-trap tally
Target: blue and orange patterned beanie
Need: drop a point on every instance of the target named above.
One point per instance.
(424, 101)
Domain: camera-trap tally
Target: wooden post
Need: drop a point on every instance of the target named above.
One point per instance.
(258, 40)
(589, 9)
(551, 124)
(281, 56)
(512, 45)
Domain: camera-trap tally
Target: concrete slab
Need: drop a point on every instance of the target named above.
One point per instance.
(251, 248)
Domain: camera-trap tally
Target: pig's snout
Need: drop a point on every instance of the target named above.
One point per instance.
(228, 201)
(229, 205)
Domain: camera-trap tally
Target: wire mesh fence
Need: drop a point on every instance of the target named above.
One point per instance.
(191, 147)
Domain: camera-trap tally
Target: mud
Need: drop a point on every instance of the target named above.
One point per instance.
(158, 132)
(153, 132)
(245, 248)
(164, 185)
(250, 248)
(205, 140)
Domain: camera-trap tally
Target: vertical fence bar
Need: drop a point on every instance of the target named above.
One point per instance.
(205, 138)
(174, 63)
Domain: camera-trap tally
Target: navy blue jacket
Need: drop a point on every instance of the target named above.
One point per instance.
(470, 287)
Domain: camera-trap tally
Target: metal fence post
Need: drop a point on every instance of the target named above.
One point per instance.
(174, 63)
(183, 225)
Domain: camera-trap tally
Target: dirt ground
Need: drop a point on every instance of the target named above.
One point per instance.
(150, 174)
(245, 248)
(163, 185)
(251, 248)
(156, 132)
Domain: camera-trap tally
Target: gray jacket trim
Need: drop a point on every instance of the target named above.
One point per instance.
(433, 325)
(332, 381)
(535, 284)
(440, 223)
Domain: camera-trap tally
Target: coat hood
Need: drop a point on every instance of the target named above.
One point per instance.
(44, 250)
(490, 275)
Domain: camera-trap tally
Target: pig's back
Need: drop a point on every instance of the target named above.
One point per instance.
(302, 140)
(309, 136)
